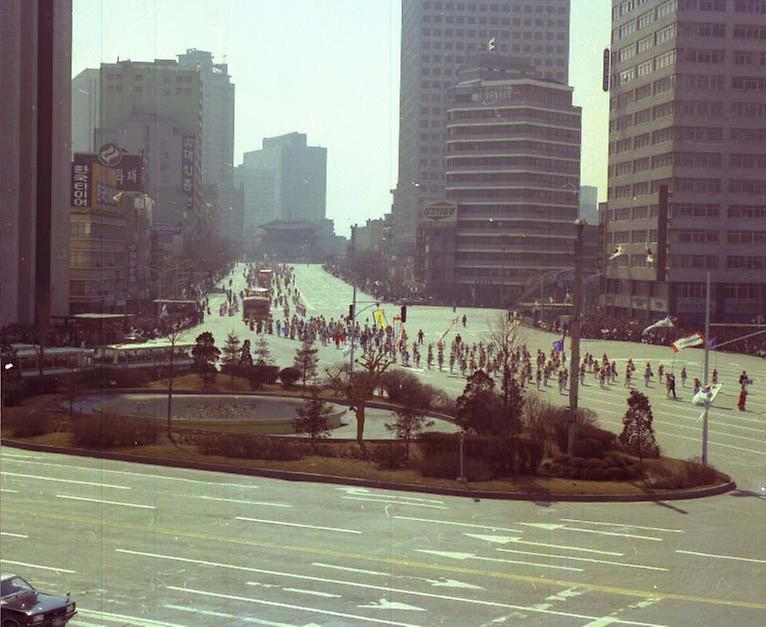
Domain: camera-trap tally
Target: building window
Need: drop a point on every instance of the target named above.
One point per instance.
(665, 34)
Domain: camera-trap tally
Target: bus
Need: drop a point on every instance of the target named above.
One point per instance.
(151, 354)
(256, 308)
(264, 278)
(55, 360)
(261, 292)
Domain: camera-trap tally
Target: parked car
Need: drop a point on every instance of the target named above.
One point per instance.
(21, 604)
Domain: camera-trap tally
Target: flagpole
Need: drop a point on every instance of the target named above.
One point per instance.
(707, 351)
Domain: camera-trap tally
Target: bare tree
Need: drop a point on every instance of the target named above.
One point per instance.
(174, 336)
(504, 334)
(358, 386)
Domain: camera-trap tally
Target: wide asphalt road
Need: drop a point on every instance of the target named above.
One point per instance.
(146, 545)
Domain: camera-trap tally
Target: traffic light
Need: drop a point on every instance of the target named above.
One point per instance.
(403, 314)
(351, 311)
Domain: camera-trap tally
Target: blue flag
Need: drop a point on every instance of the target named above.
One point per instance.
(558, 346)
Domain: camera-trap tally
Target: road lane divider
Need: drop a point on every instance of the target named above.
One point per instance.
(289, 606)
(457, 555)
(509, 539)
(12, 535)
(233, 618)
(100, 485)
(392, 502)
(103, 501)
(722, 557)
(592, 560)
(289, 524)
(457, 524)
(441, 568)
(242, 501)
(621, 525)
(442, 582)
(38, 566)
(557, 527)
(134, 621)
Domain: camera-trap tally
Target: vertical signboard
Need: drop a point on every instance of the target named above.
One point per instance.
(98, 177)
(187, 171)
(605, 76)
(81, 183)
(132, 263)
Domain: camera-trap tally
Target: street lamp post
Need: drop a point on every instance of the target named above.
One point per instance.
(574, 327)
(462, 478)
(707, 363)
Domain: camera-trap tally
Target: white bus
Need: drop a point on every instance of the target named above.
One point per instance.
(56, 360)
(151, 354)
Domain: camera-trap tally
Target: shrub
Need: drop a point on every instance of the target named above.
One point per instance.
(588, 448)
(448, 467)
(389, 456)
(691, 474)
(594, 462)
(27, 425)
(259, 374)
(252, 447)
(433, 443)
(699, 474)
(615, 474)
(586, 426)
(288, 376)
(393, 382)
(597, 474)
(111, 431)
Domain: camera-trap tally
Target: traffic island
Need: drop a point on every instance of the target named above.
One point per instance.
(344, 462)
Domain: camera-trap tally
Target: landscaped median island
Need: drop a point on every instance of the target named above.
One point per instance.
(520, 458)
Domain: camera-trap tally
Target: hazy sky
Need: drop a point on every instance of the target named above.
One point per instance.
(328, 68)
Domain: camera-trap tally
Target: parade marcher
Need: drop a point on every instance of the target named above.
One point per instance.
(660, 372)
(697, 385)
(465, 319)
(744, 379)
(420, 336)
(683, 376)
(648, 374)
(670, 382)
(714, 376)
(742, 398)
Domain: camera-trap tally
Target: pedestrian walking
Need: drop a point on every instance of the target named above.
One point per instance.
(683, 376)
(464, 319)
(670, 382)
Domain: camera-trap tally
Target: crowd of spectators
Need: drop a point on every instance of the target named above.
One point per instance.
(600, 326)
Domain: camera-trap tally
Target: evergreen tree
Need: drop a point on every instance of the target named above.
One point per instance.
(205, 354)
(231, 353)
(312, 418)
(262, 352)
(306, 360)
(638, 434)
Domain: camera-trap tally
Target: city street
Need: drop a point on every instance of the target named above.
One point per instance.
(145, 545)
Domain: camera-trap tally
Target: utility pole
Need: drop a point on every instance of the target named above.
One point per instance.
(353, 326)
(574, 328)
(707, 362)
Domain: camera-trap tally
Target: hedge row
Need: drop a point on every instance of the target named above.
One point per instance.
(111, 431)
(245, 446)
(613, 467)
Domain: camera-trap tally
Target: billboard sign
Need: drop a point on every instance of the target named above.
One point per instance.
(132, 263)
(440, 212)
(187, 171)
(98, 177)
(166, 229)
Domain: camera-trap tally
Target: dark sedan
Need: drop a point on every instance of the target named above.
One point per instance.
(21, 604)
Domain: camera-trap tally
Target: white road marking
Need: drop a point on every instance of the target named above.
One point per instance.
(722, 557)
(242, 501)
(466, 556)
(392, 502)
(316, 593)
(584, 559)
(101, 485)
(366, 492)
(437, 583)
(289, 524)
(565, 547)
(104, 501)
(458, 524)
(237, 619)
(132, 620)
(313, 610)
(385, 604)
(623, 525)
(553, 527)
(13, 535)
(388, 589)
(9, 490)
(137, 474)
(55, 570)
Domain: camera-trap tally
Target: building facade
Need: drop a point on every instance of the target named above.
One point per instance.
(285, 180)
(85, 109)
(34, 232)
(436, 39)
(589, 204)
(155, 109)
(687, 111)
(513, 173)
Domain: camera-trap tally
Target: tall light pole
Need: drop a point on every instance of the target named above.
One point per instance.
(574, 327)
(707, 362)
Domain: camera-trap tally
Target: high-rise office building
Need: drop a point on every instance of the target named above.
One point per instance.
(285, 180)
(687, 111)
(589, 204)
(85, 110)
(512, 181)
(217, 117)
(155, 109)
(35, 101)
(437, 36)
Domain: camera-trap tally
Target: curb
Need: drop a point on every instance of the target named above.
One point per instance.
(289, 475)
